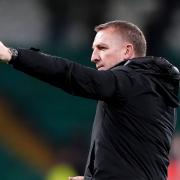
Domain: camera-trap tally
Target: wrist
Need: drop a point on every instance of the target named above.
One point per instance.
(13, 54)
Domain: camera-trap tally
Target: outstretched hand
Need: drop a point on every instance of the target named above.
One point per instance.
(5, 54)
(76, 178)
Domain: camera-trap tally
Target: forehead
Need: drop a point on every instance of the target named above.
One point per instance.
(107, 36)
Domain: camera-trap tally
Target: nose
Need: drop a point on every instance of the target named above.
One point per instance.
(95, 56)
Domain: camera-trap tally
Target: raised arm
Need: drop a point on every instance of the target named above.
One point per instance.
(72, 77)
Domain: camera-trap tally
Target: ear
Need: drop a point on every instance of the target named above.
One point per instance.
(129, 51)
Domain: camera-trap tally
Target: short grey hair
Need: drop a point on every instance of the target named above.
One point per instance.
(129, 32)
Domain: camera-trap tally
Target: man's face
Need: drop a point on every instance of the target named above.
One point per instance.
(108, 49)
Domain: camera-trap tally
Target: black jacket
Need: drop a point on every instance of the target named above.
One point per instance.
(135, 118)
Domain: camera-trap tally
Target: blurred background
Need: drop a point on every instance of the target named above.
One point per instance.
(44, 132)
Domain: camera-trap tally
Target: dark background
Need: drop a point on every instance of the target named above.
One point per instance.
(44, 132)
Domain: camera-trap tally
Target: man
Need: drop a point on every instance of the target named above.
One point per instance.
(137, 97)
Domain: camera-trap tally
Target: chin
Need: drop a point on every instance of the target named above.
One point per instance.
(102, 69)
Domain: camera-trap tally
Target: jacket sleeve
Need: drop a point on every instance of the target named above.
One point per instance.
(72, 77)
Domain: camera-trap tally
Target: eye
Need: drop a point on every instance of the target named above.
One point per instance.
(102, 48)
